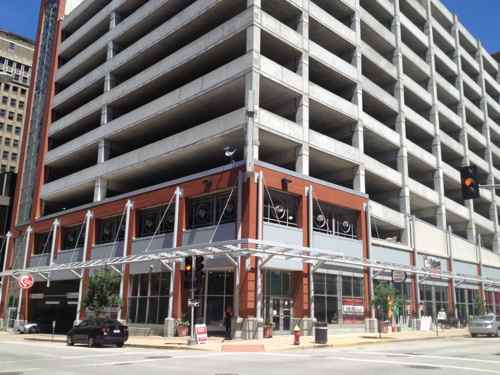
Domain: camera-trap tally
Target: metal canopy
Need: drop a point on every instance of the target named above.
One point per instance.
(265, 250)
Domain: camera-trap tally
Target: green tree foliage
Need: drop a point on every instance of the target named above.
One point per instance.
(103, 291)
(479, 307)
(382, 295)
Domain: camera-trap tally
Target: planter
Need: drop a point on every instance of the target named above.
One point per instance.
(268, 331)
(182, 331)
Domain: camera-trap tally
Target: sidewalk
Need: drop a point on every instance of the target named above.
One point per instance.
(275, 344)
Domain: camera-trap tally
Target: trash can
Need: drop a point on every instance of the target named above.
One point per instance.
(321, 333)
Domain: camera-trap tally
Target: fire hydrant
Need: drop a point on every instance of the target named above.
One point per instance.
(296, 335)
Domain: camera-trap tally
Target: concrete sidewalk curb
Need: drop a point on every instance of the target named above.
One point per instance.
(268, 347)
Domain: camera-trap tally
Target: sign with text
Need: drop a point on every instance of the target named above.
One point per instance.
(398, 276)
(201, 333)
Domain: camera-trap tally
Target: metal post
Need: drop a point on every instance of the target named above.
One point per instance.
(260, 211)
(55, 224)
(25, 264)
(174, 245)
(237, 281)
(88, 217)
(193, 272)
(4, 266)
(368, 213)
(129, 206)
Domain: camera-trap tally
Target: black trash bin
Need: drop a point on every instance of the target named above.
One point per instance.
(321, 333)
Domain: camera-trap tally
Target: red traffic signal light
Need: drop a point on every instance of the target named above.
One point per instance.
(470, 182)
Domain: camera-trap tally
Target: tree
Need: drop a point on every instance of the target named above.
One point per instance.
(103, 291)
(479, 307)
(383, 299)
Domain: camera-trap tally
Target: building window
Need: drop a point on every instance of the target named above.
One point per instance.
(11, 115)
(12, 169)
(7, 141)
(13, 102)
(219, 296)
(15, 88)
(149, 221)
(352, 299)
(21, 104)
(12, 46)
(19, 117)
(23, 92)
(17, 130)
(9, 128)
(148, 300)
(280, 208)
(1, 125)
(13, 156)
(15, 143)
(42, 243)
(6, 87)
(403, 291)
(2, 112)
(209, 210)
(326, 302)
(5, 155)
(73, 237)
(3, 168)
(109, 230)
(5, 99)
(335, 220)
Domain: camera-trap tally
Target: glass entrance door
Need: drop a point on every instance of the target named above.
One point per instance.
(279, 311)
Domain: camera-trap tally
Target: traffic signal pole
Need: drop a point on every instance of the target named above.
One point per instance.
(193, 272)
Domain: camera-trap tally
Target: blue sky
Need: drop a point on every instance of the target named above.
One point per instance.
(481, 17)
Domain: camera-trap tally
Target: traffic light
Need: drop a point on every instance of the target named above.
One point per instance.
(188, 272)
(470, 182)
(199, 272)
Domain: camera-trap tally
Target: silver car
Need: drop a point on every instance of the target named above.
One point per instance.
(488, 325)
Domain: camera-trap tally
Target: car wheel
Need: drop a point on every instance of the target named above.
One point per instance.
(69, 341)
(120, 345)
(90, 342)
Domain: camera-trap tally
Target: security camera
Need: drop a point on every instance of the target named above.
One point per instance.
(229, 152)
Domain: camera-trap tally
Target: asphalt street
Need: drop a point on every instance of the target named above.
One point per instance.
(444, 356)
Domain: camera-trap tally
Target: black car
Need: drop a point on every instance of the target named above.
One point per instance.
(93, 332)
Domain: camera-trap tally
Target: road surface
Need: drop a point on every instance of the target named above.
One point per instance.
(457, 356)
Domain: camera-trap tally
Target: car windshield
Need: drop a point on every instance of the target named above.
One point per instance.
(486, 317)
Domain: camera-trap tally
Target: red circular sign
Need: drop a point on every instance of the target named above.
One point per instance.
(25, 281)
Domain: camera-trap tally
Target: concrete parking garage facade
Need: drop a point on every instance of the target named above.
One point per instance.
(373, 106)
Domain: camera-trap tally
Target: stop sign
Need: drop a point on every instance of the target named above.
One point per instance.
(25, 281)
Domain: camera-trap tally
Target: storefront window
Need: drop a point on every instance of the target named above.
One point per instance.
(441, 298)
(490, 302)
(218, 298)
(148, 301)
(326, 298)
(352, 299)
(403, 291)
(426, 299)
(278, 302)
(335, 220)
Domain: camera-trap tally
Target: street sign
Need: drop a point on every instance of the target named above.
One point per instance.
(194, 303)
(25, 281)
(398, 276)
(442, 315)
(201, 333)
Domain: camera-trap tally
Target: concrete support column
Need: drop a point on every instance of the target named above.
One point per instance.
(252, 89)
(493, 211)
(359, 183)
(471, 230)
(402, 163)
(302, 115)
(104, 150)
(434, 119)
(114, 19)
(100, 189)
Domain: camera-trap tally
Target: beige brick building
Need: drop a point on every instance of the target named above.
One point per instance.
(16, 55)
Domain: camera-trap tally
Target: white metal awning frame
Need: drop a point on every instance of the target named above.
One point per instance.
(264, 250)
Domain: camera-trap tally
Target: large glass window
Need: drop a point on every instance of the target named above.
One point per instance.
(403, 291)
(280, 208)
(335, 220)
(326, 298)
(219, 296)
(352, 299)
(42, 243)
(208, 210)
(156, 219)
(441, 298)
(278, 284)
(110, 229)
(148, 300)
(426, 299)
(73, 237)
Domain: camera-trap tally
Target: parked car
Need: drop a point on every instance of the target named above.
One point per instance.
(28, 328)
(93, 332)
(488, 325)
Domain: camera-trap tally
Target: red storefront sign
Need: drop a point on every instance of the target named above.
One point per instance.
(201, 333)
